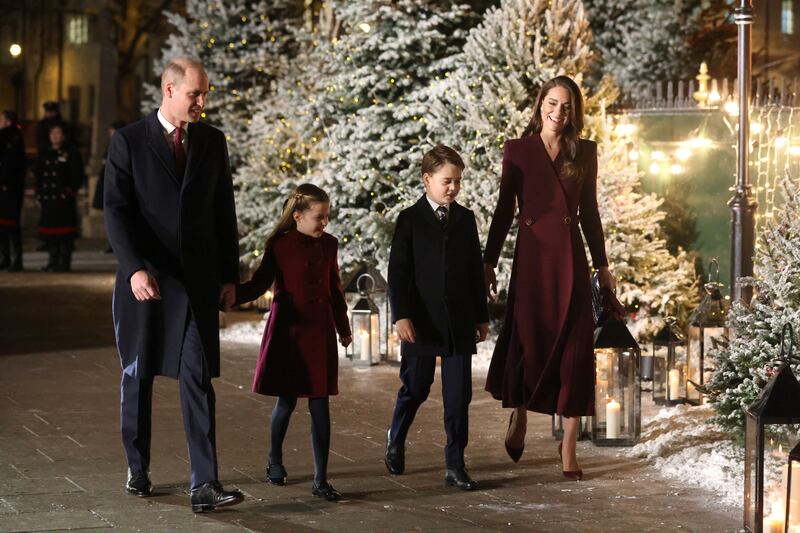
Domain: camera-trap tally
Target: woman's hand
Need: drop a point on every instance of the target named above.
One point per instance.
(491, 281)
(607, 279)
(345, 341)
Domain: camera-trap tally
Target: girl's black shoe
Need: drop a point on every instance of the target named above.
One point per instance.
(276, 475)
(325, 490)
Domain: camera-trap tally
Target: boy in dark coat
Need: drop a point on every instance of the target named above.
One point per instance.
(438, 297)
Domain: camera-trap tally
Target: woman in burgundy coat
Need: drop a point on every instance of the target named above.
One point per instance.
(544, 358)
(298, 356)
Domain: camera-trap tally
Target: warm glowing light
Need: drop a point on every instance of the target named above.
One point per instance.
(15, 50)
(655, 168)
(633, 155)
(698, 142)
(713, 98)
(626, 129)
(683, 153)
(755, 127)
(676, 169)
(780, 142)
(658, 155)
(794, 150)
(731, 108)
(364, 27)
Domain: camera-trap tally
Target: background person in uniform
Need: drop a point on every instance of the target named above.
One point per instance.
(12, 189)
(52, 117)
(170, 217)
(59, 174)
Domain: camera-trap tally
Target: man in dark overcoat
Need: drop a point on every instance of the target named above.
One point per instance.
(170, 217)
(12, 189)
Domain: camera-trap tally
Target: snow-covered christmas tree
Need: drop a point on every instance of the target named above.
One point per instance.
(244, 46)
(341, 125)
(389, 51)
(651, 281)
(651, 41)
(745, 362)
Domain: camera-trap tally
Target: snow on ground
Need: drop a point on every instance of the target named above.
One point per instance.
(682, 444)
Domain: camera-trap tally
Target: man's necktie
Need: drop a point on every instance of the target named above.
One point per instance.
(441, 214)
(179, 153)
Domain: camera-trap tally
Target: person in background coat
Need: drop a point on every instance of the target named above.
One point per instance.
(298, 356)
(544, 358)
(170, 217)
(59, 174)
(439, 307)
(12, 190)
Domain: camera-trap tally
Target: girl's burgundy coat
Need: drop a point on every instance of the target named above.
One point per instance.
(544, 357)
(298, 355)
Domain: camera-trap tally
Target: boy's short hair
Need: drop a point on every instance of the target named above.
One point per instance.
(438, 156)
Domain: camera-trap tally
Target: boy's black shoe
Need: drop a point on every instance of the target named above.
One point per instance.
(394, 456)
(458, 477)
(211, 495)
(325, 490)
(138, 484)
(276, 475)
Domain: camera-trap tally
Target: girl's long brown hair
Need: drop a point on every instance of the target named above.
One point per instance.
(568, 145)
(300, 199)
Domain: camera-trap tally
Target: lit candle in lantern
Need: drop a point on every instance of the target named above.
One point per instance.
(774, 523)
(365, 352)
(268, 299)
(602, 387)
(794, 502)
(674, 384)
(612, 419)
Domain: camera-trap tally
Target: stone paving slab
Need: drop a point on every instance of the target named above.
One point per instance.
(62, 465)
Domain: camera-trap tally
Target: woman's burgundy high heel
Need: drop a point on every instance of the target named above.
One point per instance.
(514, 453)
(577, 475)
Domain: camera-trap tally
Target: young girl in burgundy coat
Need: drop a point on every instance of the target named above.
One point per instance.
(298, 356)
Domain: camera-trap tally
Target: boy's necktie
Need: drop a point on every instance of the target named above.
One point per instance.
(441, 214)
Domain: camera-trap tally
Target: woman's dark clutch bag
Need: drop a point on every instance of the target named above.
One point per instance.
(604, 302)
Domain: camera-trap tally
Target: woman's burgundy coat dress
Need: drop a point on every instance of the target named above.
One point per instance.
(544, 357)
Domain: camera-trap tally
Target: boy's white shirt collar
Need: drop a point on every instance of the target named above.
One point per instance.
(436, 206)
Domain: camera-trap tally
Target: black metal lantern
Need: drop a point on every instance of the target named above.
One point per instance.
(771, 499)
(584, 433)
(365, 324)
(388, 344)
(617, 417)
(669, 364)
(707, 324)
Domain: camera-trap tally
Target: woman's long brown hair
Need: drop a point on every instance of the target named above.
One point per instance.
(568, 145)
(300, 199)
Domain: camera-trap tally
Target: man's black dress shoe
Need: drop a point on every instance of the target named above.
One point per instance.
(325, 490)
(209, 496)
(138, 484)
(276, 475)
(459, 478)
(394, 456)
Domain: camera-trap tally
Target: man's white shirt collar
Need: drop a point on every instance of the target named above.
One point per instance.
(166, 124)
